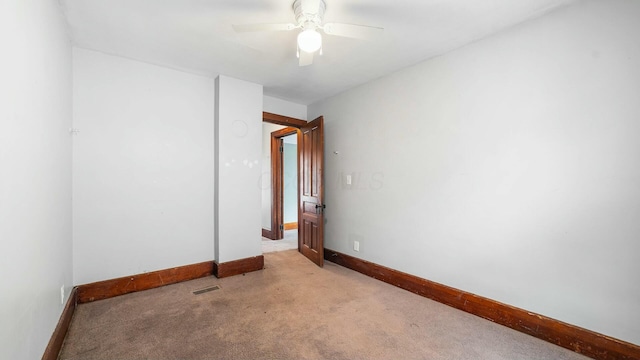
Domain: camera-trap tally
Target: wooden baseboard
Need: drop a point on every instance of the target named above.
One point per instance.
(291, 226)
(237, 267)
(57, 338)
(128, 284)
(268, 234)
(583, 341)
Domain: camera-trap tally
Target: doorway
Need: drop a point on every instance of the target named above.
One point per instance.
(280, 183)
(290, 182)
(283, 163)
(309, 183)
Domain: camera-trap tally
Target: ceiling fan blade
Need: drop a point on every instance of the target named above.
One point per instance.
(310, 6)
(352, 31)
(263, 27)
(305, 58)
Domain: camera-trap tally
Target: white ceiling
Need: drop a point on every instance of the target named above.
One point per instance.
(196, 36)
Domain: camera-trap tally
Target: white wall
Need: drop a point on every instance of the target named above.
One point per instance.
(238, 127)
(142, 167)
(508, 168)
(284, 107)
(35, 175)
(280, 107)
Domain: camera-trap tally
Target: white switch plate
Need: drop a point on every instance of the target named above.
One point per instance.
(61, 294)
(356, 246)
(348, 179)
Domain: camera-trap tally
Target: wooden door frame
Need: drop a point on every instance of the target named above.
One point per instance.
(293, 127)
(277, 181)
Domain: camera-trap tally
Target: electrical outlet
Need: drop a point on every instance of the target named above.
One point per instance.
(356, 246)
(62, 294)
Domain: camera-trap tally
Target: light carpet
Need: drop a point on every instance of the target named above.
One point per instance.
(291, 310)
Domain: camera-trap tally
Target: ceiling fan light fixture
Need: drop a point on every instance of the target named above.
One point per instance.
(309, 40)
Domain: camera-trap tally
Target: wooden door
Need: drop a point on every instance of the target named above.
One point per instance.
(311, 191)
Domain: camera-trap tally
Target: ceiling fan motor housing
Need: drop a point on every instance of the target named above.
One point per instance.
(309, 19)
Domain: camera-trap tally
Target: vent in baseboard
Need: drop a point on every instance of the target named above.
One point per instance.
(207, 289)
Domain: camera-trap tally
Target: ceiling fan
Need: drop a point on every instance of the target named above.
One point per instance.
(309, 15)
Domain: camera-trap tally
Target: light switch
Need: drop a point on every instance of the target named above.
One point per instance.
(348, 179)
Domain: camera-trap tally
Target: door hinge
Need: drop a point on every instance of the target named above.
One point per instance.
(281, 227)
(281, 149)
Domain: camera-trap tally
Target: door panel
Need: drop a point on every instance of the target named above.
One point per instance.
(311, 207)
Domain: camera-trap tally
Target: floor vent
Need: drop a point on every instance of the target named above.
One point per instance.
(207, 289)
